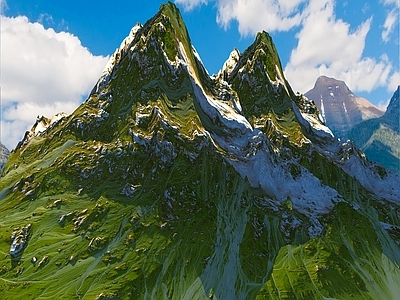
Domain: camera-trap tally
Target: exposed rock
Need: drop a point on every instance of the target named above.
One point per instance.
(129, 189)
(4, 154)
(19, 238)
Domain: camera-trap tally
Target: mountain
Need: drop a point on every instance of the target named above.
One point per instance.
(340, 108)
(4, 153)
(169, 183)
(41, 125)
(380, 138)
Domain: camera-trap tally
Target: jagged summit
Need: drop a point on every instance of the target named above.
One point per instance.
(392, 113)
(262, 54)
(168, 183)
(340, 108)
(39, 127)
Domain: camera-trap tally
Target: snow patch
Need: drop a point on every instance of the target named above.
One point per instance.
(306, 192)
(345, 109)
(197, 56)
(230, 63)
(214, 108)
(323, 116)
(309, 121)
(126, 43)
(353, 162)
(42, 125)
(280, 79)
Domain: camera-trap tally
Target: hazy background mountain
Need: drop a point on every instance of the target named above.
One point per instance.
(380, 138)
(340, 109)
(4, 153)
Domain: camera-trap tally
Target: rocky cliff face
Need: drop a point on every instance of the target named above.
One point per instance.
(4, 154)
(340, 108)
(168, 183)
(380, 138)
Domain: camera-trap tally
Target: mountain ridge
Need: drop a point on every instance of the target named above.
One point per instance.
(379, 138)
(170, 183)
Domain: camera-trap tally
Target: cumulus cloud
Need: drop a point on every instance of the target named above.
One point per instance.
(19, 117)
(328, 46)
(392, 2)
(43, 72)
(394, 81)
(271, 15)
(191, 4)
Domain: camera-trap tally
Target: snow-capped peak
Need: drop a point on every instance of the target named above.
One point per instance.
(229, 65)
(231, 62)
(126, 44)
(128, 40)
(43, 123)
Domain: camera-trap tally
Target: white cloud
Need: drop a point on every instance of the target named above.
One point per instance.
(391, 2)
(18, 118)
(328, 46)
(271, 15)
(191, 4)
(389, 24)
(12, 132)
(394, 81)
(42, 72)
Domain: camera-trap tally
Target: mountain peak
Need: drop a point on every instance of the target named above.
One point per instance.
(263, 37)
(41, 125)
(323, 81)
(393, 111)
(394, 104)
(171, 10)
(340, 108)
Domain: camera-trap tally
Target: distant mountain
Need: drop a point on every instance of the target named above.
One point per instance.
(380, 138)
(169, 183)
(4, 153)
(340, 109)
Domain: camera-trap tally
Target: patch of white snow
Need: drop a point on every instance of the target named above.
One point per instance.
(323, 116)
(308, 121)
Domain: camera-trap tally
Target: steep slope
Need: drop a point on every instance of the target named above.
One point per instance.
(380, 138)
(171, 184)
(340, 108)
(4, 153)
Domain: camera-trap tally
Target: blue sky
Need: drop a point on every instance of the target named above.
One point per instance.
(54, 51)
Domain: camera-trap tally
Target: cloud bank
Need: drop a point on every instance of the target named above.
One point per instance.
(327, 45)
(43, 72)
